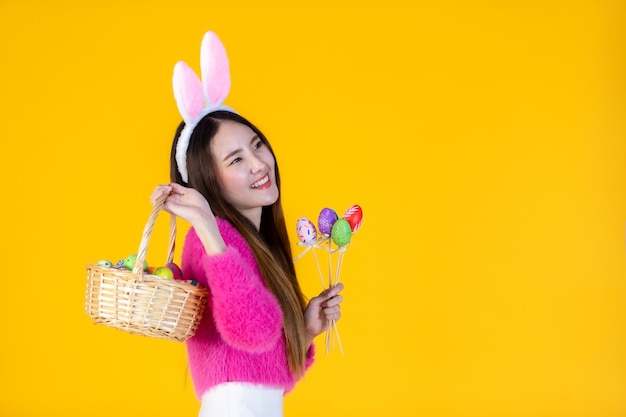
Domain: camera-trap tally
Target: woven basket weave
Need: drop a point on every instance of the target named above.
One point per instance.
(145, 304)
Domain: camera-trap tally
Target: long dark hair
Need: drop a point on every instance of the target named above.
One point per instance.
(270, 244)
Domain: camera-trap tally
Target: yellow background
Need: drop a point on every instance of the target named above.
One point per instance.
(485, 142)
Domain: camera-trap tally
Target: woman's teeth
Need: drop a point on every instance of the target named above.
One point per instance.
(260, 182)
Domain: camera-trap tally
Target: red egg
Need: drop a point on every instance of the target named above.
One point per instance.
(178, 273)
(354, 216)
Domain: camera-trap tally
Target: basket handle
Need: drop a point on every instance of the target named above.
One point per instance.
(147, 231)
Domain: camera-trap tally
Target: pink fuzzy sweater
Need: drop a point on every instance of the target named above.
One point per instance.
(240, 337)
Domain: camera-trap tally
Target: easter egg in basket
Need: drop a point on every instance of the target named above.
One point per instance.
(176, 271)
(129, 262)
(164, 272)
(105, 263)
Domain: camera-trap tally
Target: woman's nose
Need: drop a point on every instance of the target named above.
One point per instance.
(256, 164)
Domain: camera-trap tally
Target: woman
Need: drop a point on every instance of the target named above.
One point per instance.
(256, 336)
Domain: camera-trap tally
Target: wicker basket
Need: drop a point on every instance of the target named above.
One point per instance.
(145, 304)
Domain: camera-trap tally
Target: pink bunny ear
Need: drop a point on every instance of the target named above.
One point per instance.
(197, 98)
(187, 92)
(215, 69)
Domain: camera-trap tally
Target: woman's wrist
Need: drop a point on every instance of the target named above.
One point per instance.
(209, 235)
(309, 338)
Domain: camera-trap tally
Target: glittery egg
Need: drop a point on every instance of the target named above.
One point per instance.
(354, 216)
(325, 221)
(306, 230)
(341, 232)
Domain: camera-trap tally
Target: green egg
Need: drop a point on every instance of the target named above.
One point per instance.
(129, 262)
(341, 232)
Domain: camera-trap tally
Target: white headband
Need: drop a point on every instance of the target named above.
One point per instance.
(194, 98)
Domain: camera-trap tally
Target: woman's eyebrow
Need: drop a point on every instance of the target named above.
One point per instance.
(236, 151)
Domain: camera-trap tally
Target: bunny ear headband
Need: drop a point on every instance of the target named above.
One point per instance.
(194, 98)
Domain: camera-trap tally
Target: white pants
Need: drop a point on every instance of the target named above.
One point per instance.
(237, 399)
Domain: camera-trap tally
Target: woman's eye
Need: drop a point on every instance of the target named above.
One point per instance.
(258, 144)
(234, 161)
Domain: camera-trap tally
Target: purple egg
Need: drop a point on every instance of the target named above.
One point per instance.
(325, 221)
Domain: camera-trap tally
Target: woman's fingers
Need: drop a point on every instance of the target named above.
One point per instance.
(159, 192)
(332, 313)
(177, 188)
(334, 301)
(334, 290)
(331, 308)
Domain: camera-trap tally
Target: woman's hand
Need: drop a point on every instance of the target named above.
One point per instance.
(191, 206)
(321, 310)
(186, 203)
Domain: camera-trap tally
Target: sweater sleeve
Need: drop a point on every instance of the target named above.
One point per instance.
(245, 312)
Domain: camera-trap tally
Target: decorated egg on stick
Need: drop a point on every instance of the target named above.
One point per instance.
(306, 230)
(326, 219)
(354, 216)
(341, 232)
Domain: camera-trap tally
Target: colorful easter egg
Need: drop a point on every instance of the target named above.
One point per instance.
(325, 221)
(178, 273)
(341, 232)
(306, 230)
(164, 272)
(354, 216)
(105, 263)
(129, 262)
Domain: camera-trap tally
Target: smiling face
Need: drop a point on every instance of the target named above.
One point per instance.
(245, 169)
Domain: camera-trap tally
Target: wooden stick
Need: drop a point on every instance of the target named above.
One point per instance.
(338, 338)
(339, 260)
(297, 258)
(319, 269)
(330, 264)
(328, 337)
(315, 244)
(320, 244)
